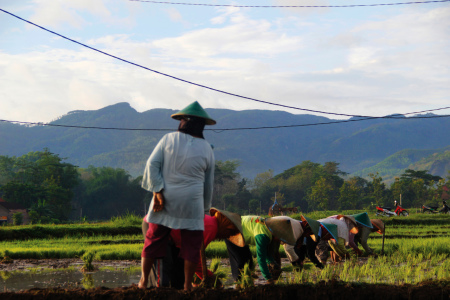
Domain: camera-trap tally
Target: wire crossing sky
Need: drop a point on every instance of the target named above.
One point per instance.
(356, 62)
(173, 77)
(291, 6)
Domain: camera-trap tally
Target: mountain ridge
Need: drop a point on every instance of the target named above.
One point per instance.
(356, 145)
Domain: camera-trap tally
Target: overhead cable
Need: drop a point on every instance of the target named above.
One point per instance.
(183, 80)
(226, 129)
(290, 6)
(189, 82)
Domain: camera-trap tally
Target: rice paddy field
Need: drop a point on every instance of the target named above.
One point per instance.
(415, 251)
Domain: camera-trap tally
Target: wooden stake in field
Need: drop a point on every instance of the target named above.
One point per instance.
(382, 247)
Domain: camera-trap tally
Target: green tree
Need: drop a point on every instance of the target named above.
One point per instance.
(110, 192)
(6, 169)
(427, 178)
(254, 207)
(320, 197)
(17, 218)
(39, 175)
(437, 193)
(349, 196)
(279, 197)
(42, 209)
(415, 187)
(34, 217)
(377, 189)
(260, 180)
(420, 192)
(297, 185)
(226, 180)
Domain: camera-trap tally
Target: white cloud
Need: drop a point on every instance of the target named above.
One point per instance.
(242, 36)
(72, 13)
(393, 63)
(175, 15)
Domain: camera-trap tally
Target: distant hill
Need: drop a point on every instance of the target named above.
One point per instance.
(436, 164)
(436, 161)
(356, 145)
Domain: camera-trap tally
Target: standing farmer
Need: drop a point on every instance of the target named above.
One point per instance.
(180, 173)
(220, 225)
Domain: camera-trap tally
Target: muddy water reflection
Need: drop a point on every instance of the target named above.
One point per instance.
(67, 279)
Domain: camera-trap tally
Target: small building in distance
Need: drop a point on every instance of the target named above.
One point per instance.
(7, 209)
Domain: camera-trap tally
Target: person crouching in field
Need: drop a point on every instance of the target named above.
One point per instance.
(307, 243)
(168, 271)
(347, 229)
(266, 235)
(180, 173)
(365, 231)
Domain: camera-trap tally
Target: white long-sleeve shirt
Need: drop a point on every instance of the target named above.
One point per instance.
(341, 227)
(183, 167)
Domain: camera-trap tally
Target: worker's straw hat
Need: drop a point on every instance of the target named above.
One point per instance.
(348, 218)
(331, 228)
(285, 228)
(363, 219)
(234, 218)
(314, 225)
(194, 110)
(378, 224)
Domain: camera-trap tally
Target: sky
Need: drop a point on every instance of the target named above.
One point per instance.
(371, 61)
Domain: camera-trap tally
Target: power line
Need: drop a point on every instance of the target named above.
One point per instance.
(327, 123)
(183, 80)
(196, 84)
(290, 6)
(225, 129)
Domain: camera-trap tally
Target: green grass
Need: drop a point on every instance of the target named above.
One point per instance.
(121, 238)
(416, 248)
(393, 270)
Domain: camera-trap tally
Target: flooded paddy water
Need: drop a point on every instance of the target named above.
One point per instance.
(63, 279)
(66, 273)
(20, 275)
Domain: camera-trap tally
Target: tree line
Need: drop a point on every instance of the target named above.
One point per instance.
(56, 191)
(312, 186)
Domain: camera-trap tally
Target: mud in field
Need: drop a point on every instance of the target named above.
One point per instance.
(324, 291)
(21, 264)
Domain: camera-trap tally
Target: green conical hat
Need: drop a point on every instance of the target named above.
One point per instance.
(313, 224)
(363, 219)
(195, 110)
(332, 229)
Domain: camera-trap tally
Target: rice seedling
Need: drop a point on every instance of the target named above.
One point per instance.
(6, 257)
(246, 279)
(88, 258)
(412, 253)
(128, 219)
(5, 275)
(297, 276)
(217, 269)
(88, 281)
(219, 275)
